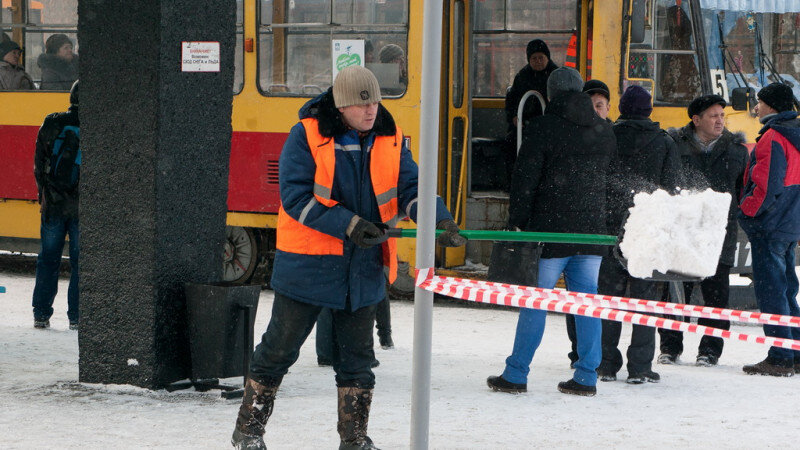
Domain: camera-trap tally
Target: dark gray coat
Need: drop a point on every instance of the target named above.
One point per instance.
(722, 170)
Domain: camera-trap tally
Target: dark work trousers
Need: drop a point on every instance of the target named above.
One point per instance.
(716, 290)
(383, 318)
(325, 339)
(615, 280)
(290, 325)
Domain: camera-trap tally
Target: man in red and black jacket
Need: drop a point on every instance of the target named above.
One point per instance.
(770, 215)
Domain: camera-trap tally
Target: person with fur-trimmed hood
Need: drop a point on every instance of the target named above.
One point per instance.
(58, 63)
(346, 174)
(715, 158)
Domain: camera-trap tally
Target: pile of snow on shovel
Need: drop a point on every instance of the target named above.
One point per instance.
(680, 233)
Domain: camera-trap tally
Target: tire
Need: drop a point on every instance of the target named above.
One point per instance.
(240, 256)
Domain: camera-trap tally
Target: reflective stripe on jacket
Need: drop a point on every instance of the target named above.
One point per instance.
(295, 237)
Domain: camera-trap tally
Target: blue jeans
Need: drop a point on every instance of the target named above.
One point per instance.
(776, 286)
(580, 272)
(53, 233)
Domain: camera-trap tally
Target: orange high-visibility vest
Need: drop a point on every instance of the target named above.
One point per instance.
(572, 55)
(572, 52)
(384, 168)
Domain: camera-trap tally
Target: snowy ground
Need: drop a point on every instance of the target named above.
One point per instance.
(42, 405)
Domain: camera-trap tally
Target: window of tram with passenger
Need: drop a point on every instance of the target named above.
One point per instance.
(47, 34)
(296, 39)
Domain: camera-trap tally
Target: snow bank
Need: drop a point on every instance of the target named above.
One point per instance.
(680, 233)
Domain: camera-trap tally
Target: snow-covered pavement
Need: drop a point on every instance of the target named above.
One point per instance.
(42, 404)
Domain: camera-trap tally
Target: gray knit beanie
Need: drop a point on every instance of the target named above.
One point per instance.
(355, 85)
(390, 52)
(562, 81)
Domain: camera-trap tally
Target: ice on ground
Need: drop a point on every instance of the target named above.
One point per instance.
(680, 233)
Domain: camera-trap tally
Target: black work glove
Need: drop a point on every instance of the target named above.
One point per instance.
(451, 236)
(362, 230)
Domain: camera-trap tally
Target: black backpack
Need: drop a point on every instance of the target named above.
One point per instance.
(64, 169)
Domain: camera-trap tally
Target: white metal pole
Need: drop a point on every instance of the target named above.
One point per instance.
(426, 215)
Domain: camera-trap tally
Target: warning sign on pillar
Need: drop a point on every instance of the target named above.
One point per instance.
(200, 56)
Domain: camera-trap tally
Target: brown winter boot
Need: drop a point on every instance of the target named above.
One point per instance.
(770, 367)
(256, 408)
(353, 417)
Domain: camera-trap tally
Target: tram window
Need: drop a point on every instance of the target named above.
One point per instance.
(668, 55)
(48, 33)
(502, 30)
(238, 59)
(743, 33)
(295, 40)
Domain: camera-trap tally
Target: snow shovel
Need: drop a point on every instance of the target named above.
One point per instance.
(540, 237)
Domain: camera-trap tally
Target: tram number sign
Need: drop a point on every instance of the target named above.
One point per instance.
(199, 56)
(718, 83)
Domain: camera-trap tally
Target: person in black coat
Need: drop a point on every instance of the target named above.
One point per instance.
(648, 160)
(532, 77)
(712, 157)
(559, 185)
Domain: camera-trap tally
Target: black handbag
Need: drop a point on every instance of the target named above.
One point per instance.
(515, 263)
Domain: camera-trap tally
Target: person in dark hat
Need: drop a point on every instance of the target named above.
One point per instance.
(532, 77)
(12, 76)
(335, 200)
(712, 157)
(559, 185)
(601, 97)
(648, 160)
(770, 215)
(59, 63)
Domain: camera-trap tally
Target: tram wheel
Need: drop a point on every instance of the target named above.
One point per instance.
(240, 256)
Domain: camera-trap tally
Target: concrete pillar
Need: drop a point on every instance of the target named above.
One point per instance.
(156, 146)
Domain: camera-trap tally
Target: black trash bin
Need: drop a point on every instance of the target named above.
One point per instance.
(219, 316)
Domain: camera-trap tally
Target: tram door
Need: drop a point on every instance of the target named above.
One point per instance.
(454, 121)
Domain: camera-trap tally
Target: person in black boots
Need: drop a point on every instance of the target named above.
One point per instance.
(559, 185)
(600, 95)
(648, 160)
(712, 157)
(345, 173)
(770, 215)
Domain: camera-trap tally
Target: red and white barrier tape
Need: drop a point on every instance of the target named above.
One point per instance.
(463, 289)
(634, 304)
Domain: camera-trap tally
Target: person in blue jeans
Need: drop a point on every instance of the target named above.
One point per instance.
(559, 185)
(770, 215)
(58, 196)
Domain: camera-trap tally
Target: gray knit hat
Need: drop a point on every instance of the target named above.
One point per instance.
(355, 85)
(563, 80)
(390, 52)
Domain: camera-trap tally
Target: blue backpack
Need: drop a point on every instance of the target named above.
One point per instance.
(65, 162)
